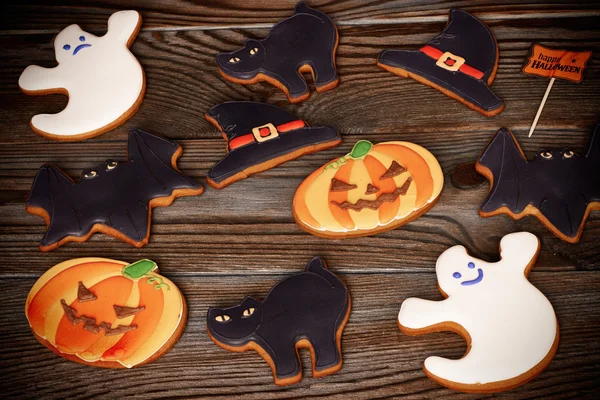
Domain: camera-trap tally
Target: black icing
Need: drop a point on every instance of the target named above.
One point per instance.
(466, 37)
(115, 194)
(310, 305)
(237, 118)
(559, 183)
(308, 37)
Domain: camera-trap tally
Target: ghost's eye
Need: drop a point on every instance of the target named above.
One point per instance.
(110, 164)
(546, 154)
(457, 275)
(471, 265)
(339, 186)
(568, 153)
(248, 312)
(89, 173)
(82, 38)
(234, 60)
(222, 318)
(67, 47)
(254, 51)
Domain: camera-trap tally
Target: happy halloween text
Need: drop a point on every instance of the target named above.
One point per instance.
(553, 63)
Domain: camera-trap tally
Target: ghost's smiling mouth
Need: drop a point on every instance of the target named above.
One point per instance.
(476, 280)
(81, 46)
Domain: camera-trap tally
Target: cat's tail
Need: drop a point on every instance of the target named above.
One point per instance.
(317, 266)
(302, 8)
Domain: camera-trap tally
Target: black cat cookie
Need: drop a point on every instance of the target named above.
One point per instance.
(115, 197)
(306, 310)
(461, 62)
(304, 42)
(558, 187)
(261, 136)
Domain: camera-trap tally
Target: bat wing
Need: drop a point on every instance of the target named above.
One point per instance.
(52, 198)
(156, 158)
(505, 166)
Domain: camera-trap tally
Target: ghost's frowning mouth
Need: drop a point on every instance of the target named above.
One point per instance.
(81, 46)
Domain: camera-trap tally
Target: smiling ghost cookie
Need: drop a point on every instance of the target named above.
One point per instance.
(509, 325)
(307, 310)
(103, 79)
(372, 189)
(305, 42)
(106, 313)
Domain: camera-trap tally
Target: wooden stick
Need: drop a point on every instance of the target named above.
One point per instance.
(539, 112)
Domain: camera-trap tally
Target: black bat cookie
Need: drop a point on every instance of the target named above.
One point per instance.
(304, 42)
(558, 187)
(115, 197)
(309, 309)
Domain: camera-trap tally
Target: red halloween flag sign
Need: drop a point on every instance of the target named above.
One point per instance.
(554, 63)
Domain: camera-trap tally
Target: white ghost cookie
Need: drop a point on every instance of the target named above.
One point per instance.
(510, 326)
(103, 79)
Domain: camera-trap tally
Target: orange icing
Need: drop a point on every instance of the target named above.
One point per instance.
(342, 216)
(387, 211)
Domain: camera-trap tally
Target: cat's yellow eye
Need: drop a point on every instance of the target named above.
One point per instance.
(254, 51)
(248, 312)
(234, 60)
(222, 318)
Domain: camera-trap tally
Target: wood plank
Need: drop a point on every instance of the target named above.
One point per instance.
(24, 17)
(378, 359)
(183, 83)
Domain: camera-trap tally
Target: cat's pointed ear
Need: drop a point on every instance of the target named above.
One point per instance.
(316, 265)
(250, 301)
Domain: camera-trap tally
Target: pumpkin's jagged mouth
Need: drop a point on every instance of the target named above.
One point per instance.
(375, 204)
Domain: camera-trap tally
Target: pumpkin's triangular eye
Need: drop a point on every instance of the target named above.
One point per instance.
(248, 312)
(339, 186)
(222, 318)
(124, 312)
(394, 170)
(84, 294)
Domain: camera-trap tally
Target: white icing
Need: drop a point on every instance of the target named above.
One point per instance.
(103, 81)
(512, 325)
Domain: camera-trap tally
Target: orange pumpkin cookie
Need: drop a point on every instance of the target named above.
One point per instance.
(106, 313)
(373, 189)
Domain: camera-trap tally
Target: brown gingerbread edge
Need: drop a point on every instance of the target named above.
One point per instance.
(384, 228)
(156, 202)
(492, 387)
(530, 210)
(304, 68)
(116, 123)
(301, 344)
(115, 364)
(255, 169)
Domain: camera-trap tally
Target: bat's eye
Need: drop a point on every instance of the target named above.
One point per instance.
(248, 312)
(234, 60)
(547, 155)
(110, 164)
(568, 153)
(222, 318)
(89, 173)
(254, 51)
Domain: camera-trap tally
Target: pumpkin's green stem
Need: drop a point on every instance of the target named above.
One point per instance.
(139, 269)
(361, 148)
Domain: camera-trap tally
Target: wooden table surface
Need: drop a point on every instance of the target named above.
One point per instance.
(241, 240)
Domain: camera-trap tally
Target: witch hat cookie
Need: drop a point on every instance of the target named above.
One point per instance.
(461, 63)
(259, 137)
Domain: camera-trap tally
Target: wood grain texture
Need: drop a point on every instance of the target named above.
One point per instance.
(223, 245)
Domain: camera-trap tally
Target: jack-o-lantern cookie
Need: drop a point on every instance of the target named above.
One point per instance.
(103, 79)
(373, 189)
(510, 326)
(307, 310)
(106, 313)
